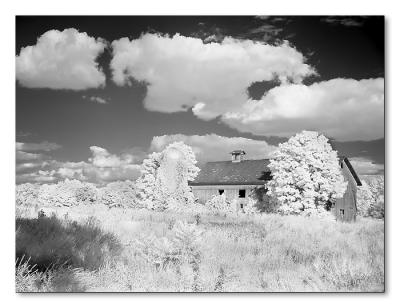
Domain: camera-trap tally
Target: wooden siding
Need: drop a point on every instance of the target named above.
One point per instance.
(206, 192)
(346, 207)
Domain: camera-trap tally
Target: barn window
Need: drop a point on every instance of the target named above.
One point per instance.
(242, 193)
(341, 213)
(221, 191)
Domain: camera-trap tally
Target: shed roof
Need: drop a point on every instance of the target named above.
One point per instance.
(250, 172)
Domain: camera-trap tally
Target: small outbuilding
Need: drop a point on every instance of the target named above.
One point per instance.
(242, 179)
(345, 208)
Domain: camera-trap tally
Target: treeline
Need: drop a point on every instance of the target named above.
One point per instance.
(74, 192)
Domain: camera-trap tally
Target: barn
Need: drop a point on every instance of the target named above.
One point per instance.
(345, 208)
(242, 179)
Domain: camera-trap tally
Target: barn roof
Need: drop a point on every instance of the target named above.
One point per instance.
(250, 172)
(352, 171)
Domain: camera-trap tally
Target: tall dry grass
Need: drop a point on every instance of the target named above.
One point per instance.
(230, 253)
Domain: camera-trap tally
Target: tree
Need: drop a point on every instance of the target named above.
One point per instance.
(163, 183)
(365, 199)
(305, 175)
(119, 194)
(26, 195)
(146, 183)
(66, 193)
(86, 193)
(377, 185)
(47, 194)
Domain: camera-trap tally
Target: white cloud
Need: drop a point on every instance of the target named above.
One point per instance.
(214, 148)
(365, 166)
(25, 156)
(103, 159)
(33, 147)
(40, 176)
(61, 60)
(212, 79)
(344, 21)
(101, 167)
(184, 71)
(345, 109)
(23, 167)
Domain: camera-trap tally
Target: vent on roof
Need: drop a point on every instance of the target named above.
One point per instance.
(237, 156)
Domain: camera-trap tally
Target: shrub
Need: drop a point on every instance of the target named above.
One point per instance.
(251, 206)
(26, 195)
(119, 194)
(184, 247)
(86, 193)
(263, 202)
(377, 210)
(49, 241)
(159, 252)
(219, 204)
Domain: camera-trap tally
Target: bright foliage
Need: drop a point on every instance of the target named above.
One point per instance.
(163, 183)
(306, 175)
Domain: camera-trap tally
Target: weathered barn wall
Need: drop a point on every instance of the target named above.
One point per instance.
(346, 208)
(206, 192)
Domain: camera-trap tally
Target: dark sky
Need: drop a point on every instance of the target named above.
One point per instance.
(351, 47)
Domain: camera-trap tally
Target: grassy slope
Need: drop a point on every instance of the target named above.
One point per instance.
(238, 253)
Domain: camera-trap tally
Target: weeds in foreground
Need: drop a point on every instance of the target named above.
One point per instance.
(264, 253)
(50, 241)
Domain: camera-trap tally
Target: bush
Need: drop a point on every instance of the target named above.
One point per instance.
(49, 241)
(87, 193)
(119, 194)
(219, 204)
(26, 195)
(377, 210)
(263, 202)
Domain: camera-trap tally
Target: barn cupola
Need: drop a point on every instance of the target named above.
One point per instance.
(237, 156)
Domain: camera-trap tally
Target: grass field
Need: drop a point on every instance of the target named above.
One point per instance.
(93, 248)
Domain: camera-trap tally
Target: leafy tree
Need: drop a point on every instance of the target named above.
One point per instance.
(87, 193)
(66, 193)
(376, 195)
(376, 184)
(26, 195)
(163, 183)
(306, 175)
(47, 194)
(119, 194)
(377, 210)
(146, 183)
(365, 199)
